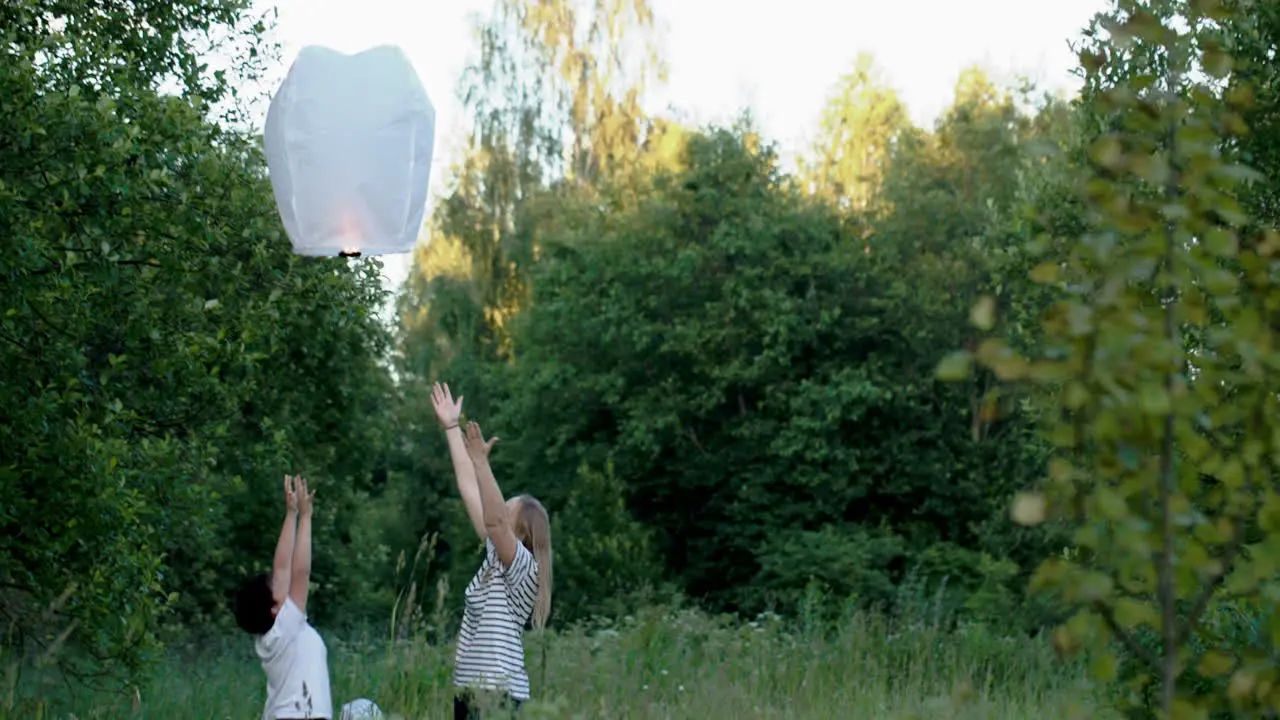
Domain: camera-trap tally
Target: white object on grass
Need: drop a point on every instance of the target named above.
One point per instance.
(349, 142)
(360, 709)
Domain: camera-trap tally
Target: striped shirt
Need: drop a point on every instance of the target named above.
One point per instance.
(490, 651)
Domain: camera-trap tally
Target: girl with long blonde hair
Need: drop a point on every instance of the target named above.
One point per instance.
(512, 588)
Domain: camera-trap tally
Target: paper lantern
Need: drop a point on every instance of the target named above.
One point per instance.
(349, 140)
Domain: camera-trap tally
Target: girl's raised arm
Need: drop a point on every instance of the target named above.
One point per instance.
(449, 413)
(496, 521)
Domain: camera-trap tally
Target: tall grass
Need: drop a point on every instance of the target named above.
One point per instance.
(662, 663)
(665, 662)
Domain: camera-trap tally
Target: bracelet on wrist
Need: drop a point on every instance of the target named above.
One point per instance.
(447, 428)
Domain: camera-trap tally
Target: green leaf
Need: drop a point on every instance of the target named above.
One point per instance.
(1108, 152)
(1238, 173)
(1155, 399)
(1269, 513)
(997, 355)
(1131, 613)
(1045, 273)
(1184, 709)
(955, 366)
(983, 314)
(1273, 629)
(1222, 242)
(1028, 508)
(1094, 587)
(1216, 63)
(1103, 665)
(1215, 663)
(1110, 504)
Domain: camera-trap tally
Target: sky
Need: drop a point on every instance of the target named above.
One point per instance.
(780, 58)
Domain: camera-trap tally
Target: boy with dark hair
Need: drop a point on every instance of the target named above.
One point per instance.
(273, 608)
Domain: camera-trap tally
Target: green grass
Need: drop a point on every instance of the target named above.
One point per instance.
(662, 664)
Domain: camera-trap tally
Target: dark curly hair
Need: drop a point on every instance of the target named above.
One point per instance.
(253, 603)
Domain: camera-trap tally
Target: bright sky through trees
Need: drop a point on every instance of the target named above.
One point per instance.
(779, 58)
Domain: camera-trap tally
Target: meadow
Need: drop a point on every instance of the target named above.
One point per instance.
(661, 663)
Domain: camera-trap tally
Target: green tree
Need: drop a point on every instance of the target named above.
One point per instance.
(606, 562)
(1159, 395)
(556, 90)
(1251, 35)
(762, 387)
(166, 356)
(859, 127)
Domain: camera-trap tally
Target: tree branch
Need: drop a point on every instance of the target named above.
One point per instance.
(1229, 554)
(1125, 638)
(1167, 486)
(17, 343)
(1201, 602)
(693, 438)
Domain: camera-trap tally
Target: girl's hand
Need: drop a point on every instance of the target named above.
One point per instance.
(305, 498)
(477, 448)
(290, 495)
(448, 412)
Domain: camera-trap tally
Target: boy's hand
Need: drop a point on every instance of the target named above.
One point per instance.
(477, 448)
(290, 495)
(305, 498)
(448, 412)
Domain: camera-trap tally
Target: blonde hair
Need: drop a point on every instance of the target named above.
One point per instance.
(532, 527)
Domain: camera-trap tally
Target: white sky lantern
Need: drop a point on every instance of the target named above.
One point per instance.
(349, 141)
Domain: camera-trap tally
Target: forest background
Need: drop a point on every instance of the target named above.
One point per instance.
(1003, 376)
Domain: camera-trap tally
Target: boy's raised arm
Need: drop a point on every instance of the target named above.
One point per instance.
(282, 564)
(300, 584)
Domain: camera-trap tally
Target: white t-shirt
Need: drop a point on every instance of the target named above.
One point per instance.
(297, 666)
(490, 651)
